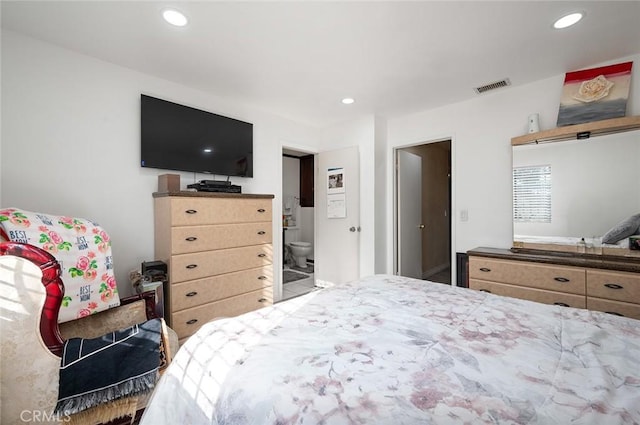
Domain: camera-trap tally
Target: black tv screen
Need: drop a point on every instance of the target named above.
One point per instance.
(177, 137)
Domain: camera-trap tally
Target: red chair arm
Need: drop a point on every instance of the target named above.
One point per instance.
(53, 286)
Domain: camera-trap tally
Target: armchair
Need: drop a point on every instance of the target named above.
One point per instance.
(32, 292)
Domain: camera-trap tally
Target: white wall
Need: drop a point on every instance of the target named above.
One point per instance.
(382, 198)
(306, 222)
(290, 183)
(481, 130)
(71, 143)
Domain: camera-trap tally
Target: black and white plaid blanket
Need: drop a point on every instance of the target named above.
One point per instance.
(119, 364)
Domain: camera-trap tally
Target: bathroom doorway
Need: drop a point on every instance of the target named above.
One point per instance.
(298, 175)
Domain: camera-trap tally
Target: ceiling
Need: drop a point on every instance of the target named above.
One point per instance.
(298, 59)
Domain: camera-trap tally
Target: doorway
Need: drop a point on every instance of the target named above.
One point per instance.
(298, 221)
(423, 211)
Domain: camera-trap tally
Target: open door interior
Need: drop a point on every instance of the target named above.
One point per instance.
(410, 226)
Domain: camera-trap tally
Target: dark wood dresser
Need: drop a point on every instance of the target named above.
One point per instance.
(596, 282)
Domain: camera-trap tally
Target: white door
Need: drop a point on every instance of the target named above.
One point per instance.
(337, 205)
(410, 226)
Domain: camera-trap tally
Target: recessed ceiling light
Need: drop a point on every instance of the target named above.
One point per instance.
(568, 20)
(174, 17)
(348, 100)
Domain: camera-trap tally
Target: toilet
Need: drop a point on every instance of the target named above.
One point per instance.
(300, 250)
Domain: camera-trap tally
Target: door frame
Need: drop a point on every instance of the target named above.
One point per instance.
(452, 212)
(278, 242)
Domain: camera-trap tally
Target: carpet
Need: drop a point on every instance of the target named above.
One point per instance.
(289, 276)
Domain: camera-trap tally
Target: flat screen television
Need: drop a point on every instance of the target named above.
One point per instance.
(181, 138)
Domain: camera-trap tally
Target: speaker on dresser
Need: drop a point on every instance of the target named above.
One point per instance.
(169, 183)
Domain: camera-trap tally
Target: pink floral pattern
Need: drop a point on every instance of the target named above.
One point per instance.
(394, 350)
(83, 250)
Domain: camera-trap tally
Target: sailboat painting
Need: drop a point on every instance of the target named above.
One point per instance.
(595, 94)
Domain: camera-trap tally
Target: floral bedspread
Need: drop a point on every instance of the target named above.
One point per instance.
(394, 350)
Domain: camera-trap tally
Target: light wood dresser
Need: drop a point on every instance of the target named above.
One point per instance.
(595, 282)
(218, 248)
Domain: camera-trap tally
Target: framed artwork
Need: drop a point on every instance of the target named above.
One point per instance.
(336, 196)
(335, 180)
(595, 94)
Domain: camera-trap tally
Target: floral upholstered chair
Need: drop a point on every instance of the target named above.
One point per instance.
(57, 286)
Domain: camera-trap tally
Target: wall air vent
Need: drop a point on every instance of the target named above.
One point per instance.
(493, 86)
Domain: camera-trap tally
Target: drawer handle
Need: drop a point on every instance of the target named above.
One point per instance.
(561, 279)
(192, 266)
(261, 232)
(191, 294)
(192, 321)
(191, 239)
(613, 286)
(261, 210)
(191, 211)
(485, 269)
(561, 304)
(262, 255)
(262, 277)
(614, 313)
(485, 290)
(262, 300)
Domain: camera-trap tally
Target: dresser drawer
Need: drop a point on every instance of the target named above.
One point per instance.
(187, 322)
(202, 291)
(612, 285)
(540, 276)
(206, 238)
(198, 211)
(184, 267)
(616, 307)
(531, 294)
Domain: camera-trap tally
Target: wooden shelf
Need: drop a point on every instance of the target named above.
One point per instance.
(579, 131)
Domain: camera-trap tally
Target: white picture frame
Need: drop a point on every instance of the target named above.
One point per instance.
(335, 181)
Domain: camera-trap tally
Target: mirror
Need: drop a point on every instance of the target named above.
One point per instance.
(595, 184)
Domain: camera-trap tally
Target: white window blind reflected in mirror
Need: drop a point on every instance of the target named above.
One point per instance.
(532, 194)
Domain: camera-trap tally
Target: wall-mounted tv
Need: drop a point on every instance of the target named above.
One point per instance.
(181, 138)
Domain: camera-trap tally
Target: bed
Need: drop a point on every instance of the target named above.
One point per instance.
(394, 350)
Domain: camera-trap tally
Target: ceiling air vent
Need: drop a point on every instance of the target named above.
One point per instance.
(493, 86)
